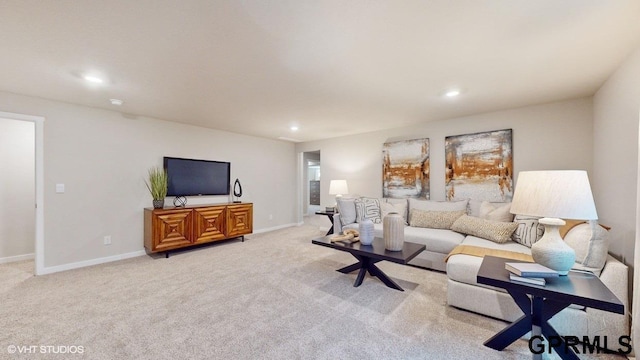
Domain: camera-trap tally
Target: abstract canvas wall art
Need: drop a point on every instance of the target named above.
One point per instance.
(405, 169)
(479, 166)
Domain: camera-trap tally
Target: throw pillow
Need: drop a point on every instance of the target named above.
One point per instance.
(368, 208)
(431, 205)
(528, 230)
(398, 207)
(496, 211)
(434, 219)
(591, 243)
(569, 224)
(496, 231)
(473, 208)
(347, 210)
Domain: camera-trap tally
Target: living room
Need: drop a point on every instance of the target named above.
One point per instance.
(102, 157)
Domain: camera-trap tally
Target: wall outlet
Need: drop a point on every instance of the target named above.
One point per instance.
(270, 217)
(107, 240)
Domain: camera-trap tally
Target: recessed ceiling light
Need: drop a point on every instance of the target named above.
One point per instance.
(452, 93)
(294, 128)
(93, 79)
(116, 102)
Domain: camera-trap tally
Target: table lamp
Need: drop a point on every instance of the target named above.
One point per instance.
(338, 188)
(554, 195)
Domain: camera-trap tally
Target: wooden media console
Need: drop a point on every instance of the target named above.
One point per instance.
(181, 227)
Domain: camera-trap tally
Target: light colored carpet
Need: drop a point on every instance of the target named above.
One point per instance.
(274, 296)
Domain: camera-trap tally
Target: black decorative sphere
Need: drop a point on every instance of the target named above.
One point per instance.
(180, 201)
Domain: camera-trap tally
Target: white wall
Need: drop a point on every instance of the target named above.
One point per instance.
(615, 155)
(17, 189)
(102, 157)
(615, 149)
(551, 136)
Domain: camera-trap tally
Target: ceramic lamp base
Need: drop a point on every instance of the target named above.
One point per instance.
(551, 251)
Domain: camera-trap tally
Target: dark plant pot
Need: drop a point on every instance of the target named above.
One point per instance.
(158, 204)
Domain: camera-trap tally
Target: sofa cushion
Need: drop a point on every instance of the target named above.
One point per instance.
(440, 241)
(591, 244)
(464, 268)
(347, 210)
(436, 240)
(508, 245)
(497, 231)
(496, 211)
(399, 207)
(432, 205)
(473, 208)
(368, 208)
(529, 230)
(434, 219)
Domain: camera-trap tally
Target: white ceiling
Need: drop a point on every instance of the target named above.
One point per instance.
(333, 68)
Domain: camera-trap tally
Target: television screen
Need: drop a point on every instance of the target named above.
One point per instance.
(190, 177)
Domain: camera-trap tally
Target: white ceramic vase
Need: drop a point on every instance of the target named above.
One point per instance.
(551, 251)
(365, 227)
(393, 231)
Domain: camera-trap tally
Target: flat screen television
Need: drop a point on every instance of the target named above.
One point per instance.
(191, 177)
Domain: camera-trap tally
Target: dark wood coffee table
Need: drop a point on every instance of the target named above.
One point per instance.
(368, 255)
(577, 288)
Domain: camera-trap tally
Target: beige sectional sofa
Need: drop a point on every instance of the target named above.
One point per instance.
(463, 291)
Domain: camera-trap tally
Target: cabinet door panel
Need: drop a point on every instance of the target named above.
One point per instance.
(209, 224)
(172, 229)
(239, 220)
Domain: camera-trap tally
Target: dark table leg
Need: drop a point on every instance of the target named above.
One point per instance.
(535, 318)
(375, 271)
(518, 328)
(368, 264)
(330, 216)
(350, 268)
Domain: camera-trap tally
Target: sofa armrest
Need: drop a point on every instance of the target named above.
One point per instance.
(615, 276)
(337, 224)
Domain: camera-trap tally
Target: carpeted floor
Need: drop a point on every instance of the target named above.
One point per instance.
(274, 296)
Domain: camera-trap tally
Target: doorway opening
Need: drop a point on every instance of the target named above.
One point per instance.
(26, 213)
(311, 193)
(311, 182)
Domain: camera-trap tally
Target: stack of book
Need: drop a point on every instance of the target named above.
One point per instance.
(530, 273)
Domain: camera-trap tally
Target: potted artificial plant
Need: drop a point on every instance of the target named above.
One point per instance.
(157, 185)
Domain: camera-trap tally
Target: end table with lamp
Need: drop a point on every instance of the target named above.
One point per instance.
(329, 214)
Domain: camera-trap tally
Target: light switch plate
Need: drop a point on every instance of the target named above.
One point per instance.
(60, 188)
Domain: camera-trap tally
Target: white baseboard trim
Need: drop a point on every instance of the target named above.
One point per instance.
(10, 259)
(81, 264)
(260, 231)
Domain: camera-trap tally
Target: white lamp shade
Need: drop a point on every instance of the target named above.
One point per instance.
(338, 187)
(564, 194)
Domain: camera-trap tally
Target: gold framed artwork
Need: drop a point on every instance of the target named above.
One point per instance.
(479, 166)
(405, 169)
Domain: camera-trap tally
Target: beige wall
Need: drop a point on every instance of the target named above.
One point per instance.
(102, 157)
(17, 189)
(615, 155)
(616, 118)
(551, 136)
